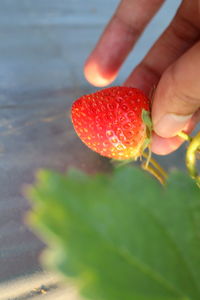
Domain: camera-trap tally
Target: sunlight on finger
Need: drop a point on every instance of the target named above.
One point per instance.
(94, 76)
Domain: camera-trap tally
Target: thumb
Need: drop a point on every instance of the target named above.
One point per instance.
(177, 97)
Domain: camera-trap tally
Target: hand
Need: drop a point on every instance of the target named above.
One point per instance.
(172, 64)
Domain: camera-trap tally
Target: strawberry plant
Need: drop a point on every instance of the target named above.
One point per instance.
(121, 235)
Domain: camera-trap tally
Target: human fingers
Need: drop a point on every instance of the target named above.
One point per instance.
(163, 146)
(181, 34)
(118, 38)
(177, 98)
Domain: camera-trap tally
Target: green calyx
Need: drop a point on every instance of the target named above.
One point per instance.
(146, 118)
(150, 165)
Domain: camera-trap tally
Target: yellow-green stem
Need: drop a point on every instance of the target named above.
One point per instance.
(184, 136)
(191, 158)
(155, 165)
(154, 172)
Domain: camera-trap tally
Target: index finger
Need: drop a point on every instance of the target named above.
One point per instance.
(118, 38)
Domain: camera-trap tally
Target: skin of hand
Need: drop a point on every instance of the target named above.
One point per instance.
(172, 65)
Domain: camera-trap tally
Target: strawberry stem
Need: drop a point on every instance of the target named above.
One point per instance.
(149, 165)
(148, 156)
(154, 172)
(193, 148)
(184, 136)
(187, 138)
(156, 165)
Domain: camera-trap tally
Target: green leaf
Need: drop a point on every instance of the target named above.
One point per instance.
(121, 236)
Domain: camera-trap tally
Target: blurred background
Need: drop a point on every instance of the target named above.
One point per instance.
(44, 44)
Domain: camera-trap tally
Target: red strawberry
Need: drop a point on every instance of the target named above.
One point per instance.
(110, 122)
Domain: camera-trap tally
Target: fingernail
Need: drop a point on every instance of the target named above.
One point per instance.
(170, 124)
